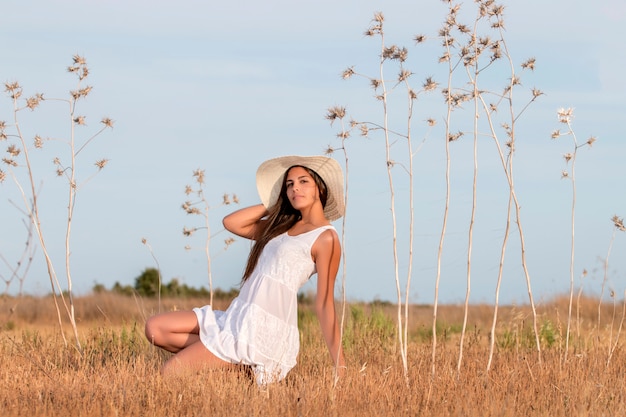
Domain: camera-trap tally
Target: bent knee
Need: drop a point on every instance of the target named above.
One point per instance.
(151, 330)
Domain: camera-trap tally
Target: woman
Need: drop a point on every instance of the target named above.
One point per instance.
(293, 240)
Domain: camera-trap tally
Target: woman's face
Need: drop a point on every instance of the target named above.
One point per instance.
(302, 191)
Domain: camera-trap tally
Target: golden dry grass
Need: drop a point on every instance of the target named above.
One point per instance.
(117, 375)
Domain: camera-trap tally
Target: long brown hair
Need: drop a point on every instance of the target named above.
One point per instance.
(281, 217)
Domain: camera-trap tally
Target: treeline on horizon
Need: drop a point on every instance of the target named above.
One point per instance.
(147, 285)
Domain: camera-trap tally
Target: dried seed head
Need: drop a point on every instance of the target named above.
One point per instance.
(9, 162)
(334, 113)
(404, 75)
(496, 10)
(79, 60)
(565, 115)
(101, 163)
(14, 89)
(84, 92)
(226, 199)
(198, 174)
(347, 73)
(107, 122)
(235, 199)
(537, 93)
(227, 242)
(329, 150)
(591, 140)
(2, 176)
(564, 174)
(445, 57)
(454, 136)
(13, 150)
(618, 222)
(463, 28)
(33, 102)
(375, 83)
(419, 38)
(188, 189)
(38, 142)
(364, 129)
(498, 24)
(370, 32)
(555, 134)
(431, 122)
(429, 84)
(188, 232)
(568, 157)
(529, 64)
(79, 120)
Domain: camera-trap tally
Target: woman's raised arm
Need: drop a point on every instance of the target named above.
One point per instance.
(244, 222)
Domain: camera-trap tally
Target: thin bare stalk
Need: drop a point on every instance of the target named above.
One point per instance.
(156, 261)
(333, 114)
(619, 330)
(444, 223)
(511, 133)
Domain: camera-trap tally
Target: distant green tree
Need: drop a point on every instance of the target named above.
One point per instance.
(147, 284)
(122, 289)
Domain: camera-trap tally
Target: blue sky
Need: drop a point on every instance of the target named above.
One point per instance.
(222, 87)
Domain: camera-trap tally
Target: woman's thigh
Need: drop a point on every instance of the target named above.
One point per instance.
(174, 330)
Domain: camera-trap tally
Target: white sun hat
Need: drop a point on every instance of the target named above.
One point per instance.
(269, 180)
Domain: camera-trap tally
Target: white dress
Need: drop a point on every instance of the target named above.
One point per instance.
(260, 327)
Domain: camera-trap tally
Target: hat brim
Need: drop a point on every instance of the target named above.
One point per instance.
(270, 175)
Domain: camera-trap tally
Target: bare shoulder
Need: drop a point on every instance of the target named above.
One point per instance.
(327, 241)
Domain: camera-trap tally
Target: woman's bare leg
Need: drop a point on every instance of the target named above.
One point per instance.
(173, 331)
(193, 357)
(177, 332)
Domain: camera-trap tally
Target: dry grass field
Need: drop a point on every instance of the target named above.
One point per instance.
(117, 373)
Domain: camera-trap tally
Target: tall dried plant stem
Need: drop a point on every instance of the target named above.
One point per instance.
(565, 116)
(444, 223)
(411, 222)
(619, 330)
(207, 242)
(33, 214)
(72, 189)
(389, 164)
(573, 241)
(156, 261)
(470, 234)
(605, 279)
(510, 176)
(513, 202)
(334, 114)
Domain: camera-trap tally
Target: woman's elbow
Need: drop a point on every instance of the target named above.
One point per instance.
(324, 309)
(227, 222)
